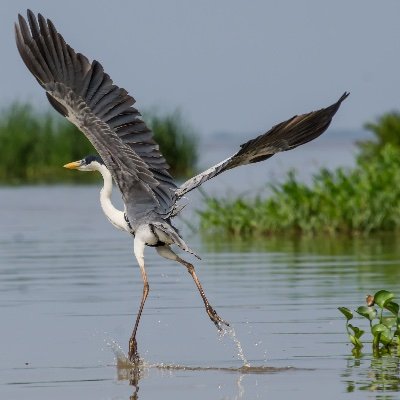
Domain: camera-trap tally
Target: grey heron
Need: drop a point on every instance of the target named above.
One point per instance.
(82, 92)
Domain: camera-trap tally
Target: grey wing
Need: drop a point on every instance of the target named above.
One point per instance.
(86, 95)
(285, 136)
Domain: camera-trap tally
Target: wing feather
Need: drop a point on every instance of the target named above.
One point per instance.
(86, 95)
(287, 135)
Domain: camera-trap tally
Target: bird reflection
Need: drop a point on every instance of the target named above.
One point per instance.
(134, 372)
(134, 375)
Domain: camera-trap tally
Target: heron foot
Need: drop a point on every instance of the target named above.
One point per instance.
(218, 321)
(133, 353)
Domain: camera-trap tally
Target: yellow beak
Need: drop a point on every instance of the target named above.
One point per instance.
(73, 165)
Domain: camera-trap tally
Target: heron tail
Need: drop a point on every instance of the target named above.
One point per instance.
(165, 229)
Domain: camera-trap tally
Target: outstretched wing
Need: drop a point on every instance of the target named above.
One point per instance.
(86, 95)
(282, 137)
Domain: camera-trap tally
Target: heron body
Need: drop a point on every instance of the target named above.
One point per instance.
(82, 92)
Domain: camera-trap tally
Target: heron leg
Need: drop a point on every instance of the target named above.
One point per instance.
(139, 253)
(166, 252)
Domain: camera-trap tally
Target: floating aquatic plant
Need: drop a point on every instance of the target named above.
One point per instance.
(382, 314)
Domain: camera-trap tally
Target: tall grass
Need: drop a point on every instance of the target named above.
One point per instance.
(34, 146)
(177, 139)
(360, 200)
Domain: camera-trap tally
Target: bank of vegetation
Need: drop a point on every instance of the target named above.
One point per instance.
(34, 146)
(363, 199)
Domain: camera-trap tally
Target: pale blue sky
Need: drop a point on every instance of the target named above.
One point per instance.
(231, 66)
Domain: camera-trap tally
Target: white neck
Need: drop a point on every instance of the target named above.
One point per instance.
(116, 217)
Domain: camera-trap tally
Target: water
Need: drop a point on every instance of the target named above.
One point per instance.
(70, 288)
(70, 285)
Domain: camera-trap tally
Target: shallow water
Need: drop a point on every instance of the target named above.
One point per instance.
(70, 288)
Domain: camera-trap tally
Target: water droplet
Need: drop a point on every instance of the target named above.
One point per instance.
(232, 335)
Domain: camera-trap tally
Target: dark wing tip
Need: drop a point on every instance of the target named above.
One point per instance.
(335, 106)
(343, 97)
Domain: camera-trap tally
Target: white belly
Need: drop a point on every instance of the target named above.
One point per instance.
(150, 237)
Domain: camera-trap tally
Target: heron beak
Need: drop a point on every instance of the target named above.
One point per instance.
(73, 165)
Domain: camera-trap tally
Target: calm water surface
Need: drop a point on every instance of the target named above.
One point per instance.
(70, 287)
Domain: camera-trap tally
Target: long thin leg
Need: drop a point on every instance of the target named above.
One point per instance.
(166, 252)
(138, 248)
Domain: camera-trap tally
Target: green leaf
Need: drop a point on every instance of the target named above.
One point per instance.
(383, 297)
(385, 339)
(392, 307)
(367, 312)
(357, 331)
(346, 312)
(380, 328)
(355, 341)
(390, 322)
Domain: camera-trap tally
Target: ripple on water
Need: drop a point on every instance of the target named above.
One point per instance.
(125, 366)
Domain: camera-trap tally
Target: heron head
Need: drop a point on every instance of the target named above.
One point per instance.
(89, 163)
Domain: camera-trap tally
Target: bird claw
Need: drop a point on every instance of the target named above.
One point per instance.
(218, 321)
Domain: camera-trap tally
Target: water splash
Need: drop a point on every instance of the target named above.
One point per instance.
(121, 358)
(230, 332)
(125, 366)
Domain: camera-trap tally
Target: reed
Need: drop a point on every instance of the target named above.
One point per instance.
(177, 139)
(34, 146)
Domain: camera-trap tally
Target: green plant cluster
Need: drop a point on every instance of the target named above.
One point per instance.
(363, 199)
(383, 316)
(177, 139)
(34, 146)
(385, 130)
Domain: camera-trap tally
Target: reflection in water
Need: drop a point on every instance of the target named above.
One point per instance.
(365, 247)
(240, 387)
(368, 253)
(382, 375)
(127, 371)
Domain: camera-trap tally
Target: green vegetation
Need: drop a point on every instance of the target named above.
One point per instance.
(385, 130)
(360, 200)
(384, 323)
(34, 146)
(177, 139)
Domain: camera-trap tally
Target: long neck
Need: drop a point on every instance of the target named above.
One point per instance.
(116, 217)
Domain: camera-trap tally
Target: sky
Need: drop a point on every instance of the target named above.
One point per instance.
(230, 66)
